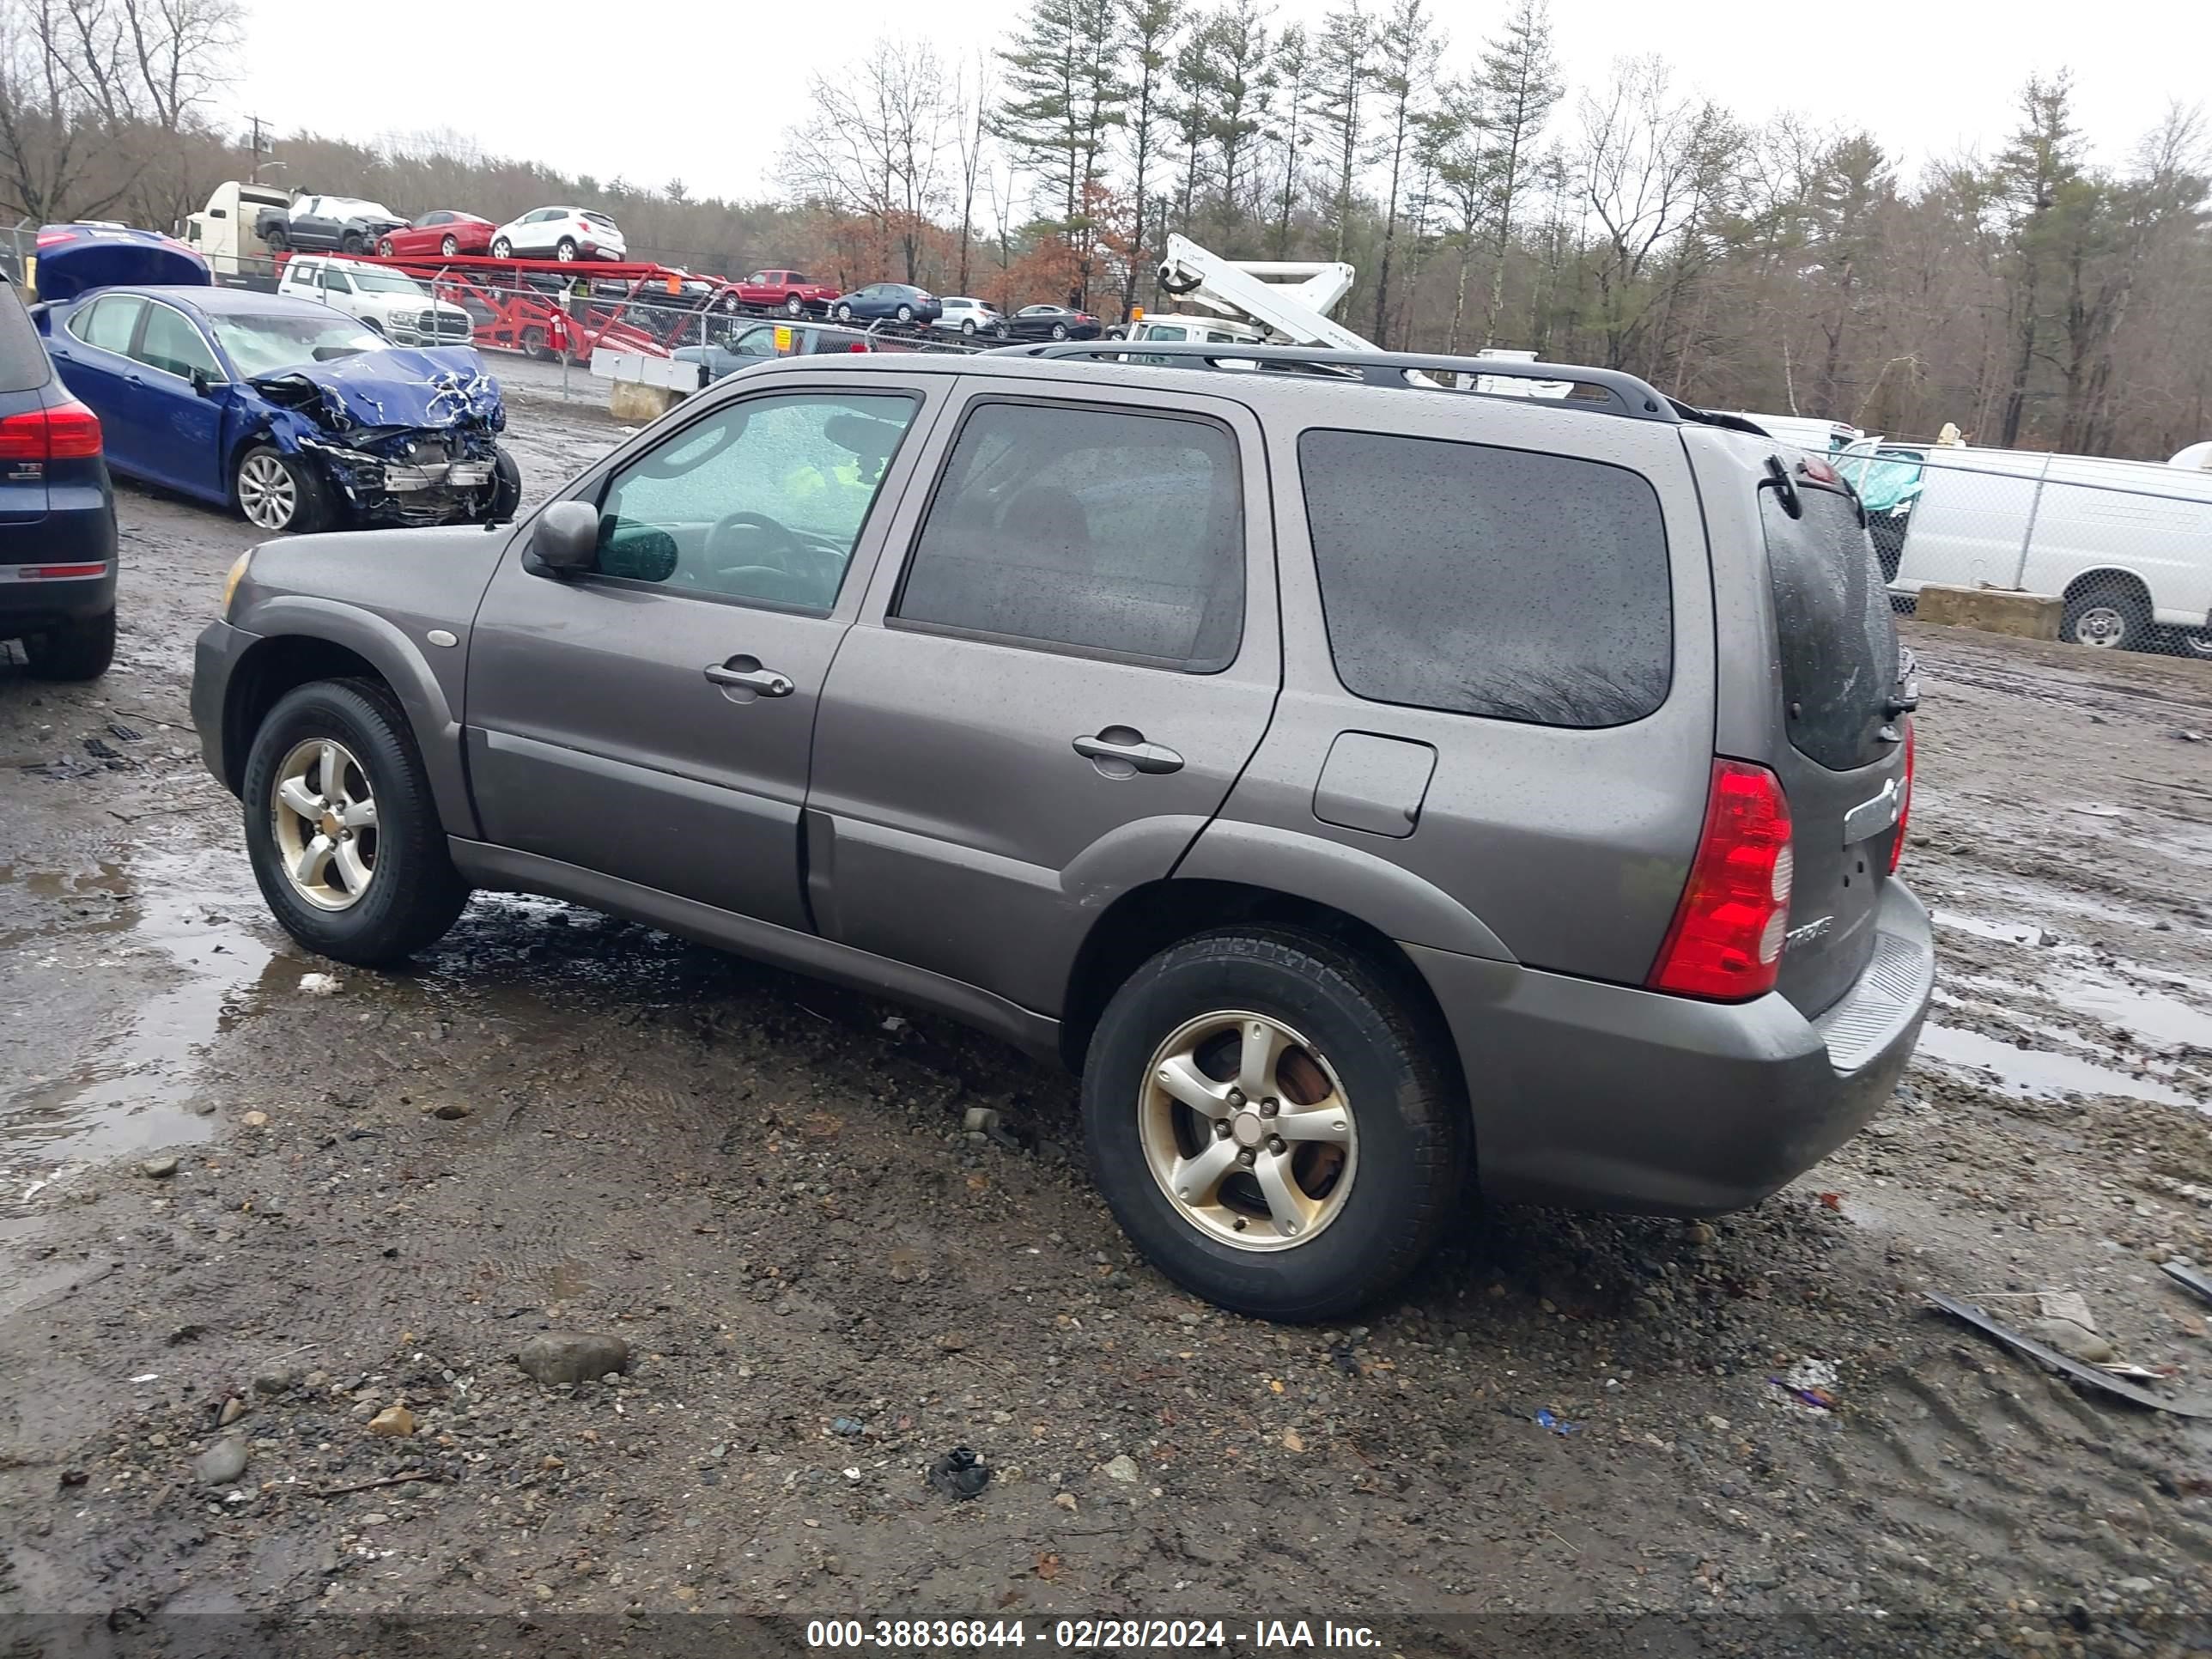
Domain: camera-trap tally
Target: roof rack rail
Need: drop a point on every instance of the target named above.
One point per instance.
(1623, 393)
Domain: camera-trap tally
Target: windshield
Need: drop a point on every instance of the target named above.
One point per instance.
(261, 345)
(352, 207)
(386, 282)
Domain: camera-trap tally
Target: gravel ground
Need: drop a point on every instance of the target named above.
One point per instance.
(237, 1218)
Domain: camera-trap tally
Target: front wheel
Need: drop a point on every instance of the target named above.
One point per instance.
(1059, 331)
(73, 650)
(1272, 1125)
(506, 487)
(279, 493)
(844, 313)
(275, 241)
(906, 313)
(352, 242)
(341, 827)
(384, 247)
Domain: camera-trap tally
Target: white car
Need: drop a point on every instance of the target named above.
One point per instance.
(969, 317)
(558, 233)
(398, 307)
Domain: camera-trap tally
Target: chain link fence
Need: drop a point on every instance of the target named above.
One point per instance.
(2125, 545)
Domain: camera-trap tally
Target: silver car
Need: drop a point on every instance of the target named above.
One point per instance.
(1380, 796)
(970, 318)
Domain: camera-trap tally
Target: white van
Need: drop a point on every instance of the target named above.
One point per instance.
(395, 306)
(1802, 431)
(223, 232)
(2126, 545)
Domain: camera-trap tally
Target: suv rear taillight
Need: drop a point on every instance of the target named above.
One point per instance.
(1903, 807)
(1726, 940)
(70, 432)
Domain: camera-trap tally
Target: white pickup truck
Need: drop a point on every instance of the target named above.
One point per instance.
(395, 306)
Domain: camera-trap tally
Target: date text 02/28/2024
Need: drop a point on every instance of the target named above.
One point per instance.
(1115, 1635)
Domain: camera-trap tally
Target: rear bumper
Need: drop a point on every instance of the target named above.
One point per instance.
(1605, 1096)
(42, 565)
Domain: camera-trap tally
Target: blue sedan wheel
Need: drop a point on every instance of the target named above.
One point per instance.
(276, 493)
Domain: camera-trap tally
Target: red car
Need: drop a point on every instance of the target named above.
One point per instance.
(440, 234)
(784, 290)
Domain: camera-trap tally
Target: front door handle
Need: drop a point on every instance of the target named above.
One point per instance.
(766, 681)
(1128, 746)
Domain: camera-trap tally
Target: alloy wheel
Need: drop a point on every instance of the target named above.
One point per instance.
(1248, 1131)
(324, 818)
(267, 493)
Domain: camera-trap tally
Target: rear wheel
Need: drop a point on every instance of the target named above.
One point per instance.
(906, 313)
(565, 249)
(449, 247)
(1059, 331)
(968, 327)
(2111, 613)
(793, 305)
(279, 493)
(502, 249)
(1271, 1124)
(534, 345)
(80, 650)
(341, 827)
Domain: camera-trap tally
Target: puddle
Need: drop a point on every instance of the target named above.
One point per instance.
(134, 1089)
(2037, 1071)
(2006, 933)
(2153, 1017)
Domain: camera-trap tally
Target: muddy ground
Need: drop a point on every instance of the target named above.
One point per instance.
(563, 1122)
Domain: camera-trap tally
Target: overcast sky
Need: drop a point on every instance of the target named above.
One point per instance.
(652, 92)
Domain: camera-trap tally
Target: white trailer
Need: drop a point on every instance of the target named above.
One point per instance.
(223, 232)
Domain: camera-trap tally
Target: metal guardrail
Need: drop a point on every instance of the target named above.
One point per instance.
(2127, 545)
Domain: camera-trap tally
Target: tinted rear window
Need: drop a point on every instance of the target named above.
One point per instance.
(1490, 582)
(22, 360)
(1838, 636)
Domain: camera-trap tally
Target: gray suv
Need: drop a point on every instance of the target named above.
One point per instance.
(1372, 785)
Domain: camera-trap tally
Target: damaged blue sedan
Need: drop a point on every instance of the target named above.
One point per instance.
(293, 413)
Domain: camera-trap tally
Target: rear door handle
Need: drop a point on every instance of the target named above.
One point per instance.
(1122, 743)
(766, 681)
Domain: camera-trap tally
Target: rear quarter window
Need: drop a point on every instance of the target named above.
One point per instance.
(1834, 627)
(1490, 582)
(23, 363)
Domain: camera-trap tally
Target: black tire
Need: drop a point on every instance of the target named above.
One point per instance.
(906, 314)
(1059, 331)
(312, 502)
(565, 250)
(2111, 612)
(79, 650)
(968, 327)
(1409, 1117)
(351, 242)
(502, 249)
(534, 344)
(415, 892)
(793, 305)
(384, 248)
(449, 246)
(276, 241)
(844, 313)
(506, 487)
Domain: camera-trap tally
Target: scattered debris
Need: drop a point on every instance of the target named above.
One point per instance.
(255, 1120)
(1293, 1441)
(1819, 1399)
(318, 985)
(159, 1168)
(220, 1463)
(1546, 1418)
(847, 1426)
(895, 1023)
(233, 1409)
(1832, 1200)
(959, 1473)
(129, 734)
(392, 1420)
(560, 1357)
(2187, 736)
(1065, 1500)
(447, 1108)
(400, 1479)
(2064, 1365)
(99, 749)
(74, 1477)
(2188, 1278)
(1123, 1467)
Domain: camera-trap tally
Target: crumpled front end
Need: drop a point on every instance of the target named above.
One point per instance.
(405, 436)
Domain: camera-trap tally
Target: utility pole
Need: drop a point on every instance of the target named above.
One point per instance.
(261, 147)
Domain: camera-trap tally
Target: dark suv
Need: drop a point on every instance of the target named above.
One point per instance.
(57, 513)
(1361, 783)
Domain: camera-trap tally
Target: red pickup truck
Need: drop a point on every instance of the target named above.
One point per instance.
(784, 290)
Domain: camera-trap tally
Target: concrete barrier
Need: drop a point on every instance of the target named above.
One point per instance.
(635, 401)
(1992, 610)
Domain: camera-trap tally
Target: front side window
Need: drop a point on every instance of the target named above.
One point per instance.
(173, 345)
(1490, 582)
(336, 281)
(762, 502)
(109, 323)
(1114, 533)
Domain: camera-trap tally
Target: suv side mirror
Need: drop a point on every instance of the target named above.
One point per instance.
(566, 539)
(201, 385)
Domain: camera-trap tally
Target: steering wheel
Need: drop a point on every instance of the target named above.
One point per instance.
(808, 562)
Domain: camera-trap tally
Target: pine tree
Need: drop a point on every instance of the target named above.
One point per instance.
(2040, 160)
(1148, 25)
(1405, 50)
(1518, 83)
(1064, 95)
(1341, 66)
(1293, 67)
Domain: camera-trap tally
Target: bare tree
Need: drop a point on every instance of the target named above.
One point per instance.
(972, 117)
(875, 145)
(1149, 25)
